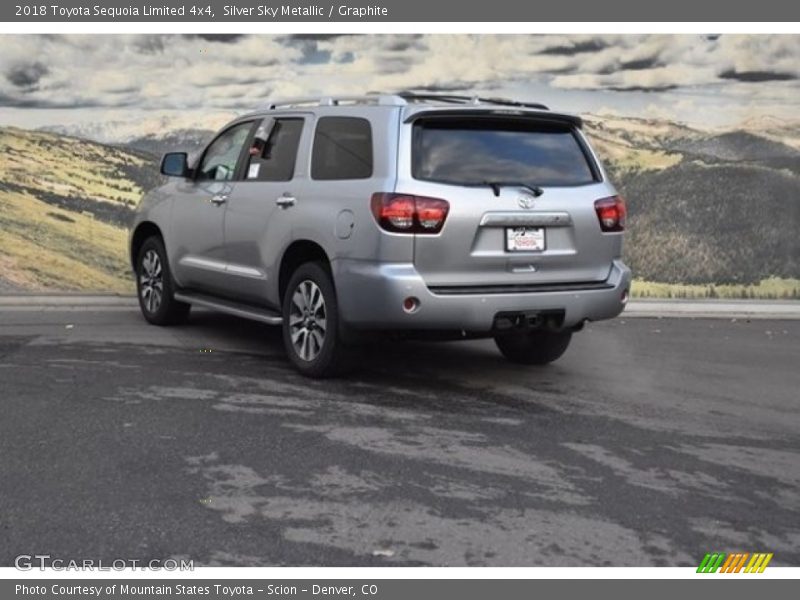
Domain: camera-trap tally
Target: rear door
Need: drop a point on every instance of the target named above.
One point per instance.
(521, 193)
(261, 206)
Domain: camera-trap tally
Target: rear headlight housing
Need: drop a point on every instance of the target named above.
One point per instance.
(611, 213)
(405, 213)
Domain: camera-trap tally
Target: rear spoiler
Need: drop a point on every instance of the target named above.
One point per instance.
(552, 117)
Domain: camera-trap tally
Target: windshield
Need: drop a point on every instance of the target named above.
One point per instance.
(488, 150)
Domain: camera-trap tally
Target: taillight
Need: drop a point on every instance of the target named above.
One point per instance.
(611, 213)
(403, 213)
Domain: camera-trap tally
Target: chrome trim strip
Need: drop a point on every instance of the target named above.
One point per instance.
(243, 271)
(203, 263)
(526, 219)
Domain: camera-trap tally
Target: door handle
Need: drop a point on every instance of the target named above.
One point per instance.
(219, 199)
(285, 201)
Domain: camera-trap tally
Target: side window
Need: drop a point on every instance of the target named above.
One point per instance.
(273, 154)
(219, 160)
(342, 149)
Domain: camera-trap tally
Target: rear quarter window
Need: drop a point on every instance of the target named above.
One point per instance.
(342, 149)
(472, 152)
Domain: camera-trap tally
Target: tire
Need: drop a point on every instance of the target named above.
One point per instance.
(155, 287)
(311, 328)
(533, 347)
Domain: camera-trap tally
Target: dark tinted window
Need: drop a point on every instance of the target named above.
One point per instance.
(219, 160)
(503, 150)
(273, 153)
(342, 149)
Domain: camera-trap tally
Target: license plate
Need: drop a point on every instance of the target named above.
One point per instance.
(524, 239)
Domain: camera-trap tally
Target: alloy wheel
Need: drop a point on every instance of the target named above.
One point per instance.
(151, 281)
(307, 320)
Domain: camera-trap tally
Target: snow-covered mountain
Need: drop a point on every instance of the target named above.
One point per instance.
(123, 132)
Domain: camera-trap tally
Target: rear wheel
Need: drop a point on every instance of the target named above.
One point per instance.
(154, 286)
(533, 347)
(311, 328)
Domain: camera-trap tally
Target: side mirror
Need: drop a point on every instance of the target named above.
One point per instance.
(175, 164)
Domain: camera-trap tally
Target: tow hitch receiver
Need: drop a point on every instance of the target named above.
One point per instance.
(532, 319)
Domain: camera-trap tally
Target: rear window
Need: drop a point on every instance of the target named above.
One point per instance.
(342, 149)
(472, 152)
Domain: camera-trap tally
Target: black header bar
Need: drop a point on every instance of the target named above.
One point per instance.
(309, 11)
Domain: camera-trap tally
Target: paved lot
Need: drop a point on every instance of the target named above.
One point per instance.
(650, 443)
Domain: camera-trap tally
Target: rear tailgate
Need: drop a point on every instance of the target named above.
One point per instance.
(545, 182)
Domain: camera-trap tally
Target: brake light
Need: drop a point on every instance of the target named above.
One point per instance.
(403, 213)
(611, 213)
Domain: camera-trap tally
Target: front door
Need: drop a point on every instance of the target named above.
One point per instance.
(198, 216)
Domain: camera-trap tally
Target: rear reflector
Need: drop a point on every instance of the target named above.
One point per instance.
(403, 213)
(411, 304)
(611, 213)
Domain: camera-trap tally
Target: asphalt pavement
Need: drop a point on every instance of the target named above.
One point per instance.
(652, 442)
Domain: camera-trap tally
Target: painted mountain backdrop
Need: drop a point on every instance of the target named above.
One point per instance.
(712, 213)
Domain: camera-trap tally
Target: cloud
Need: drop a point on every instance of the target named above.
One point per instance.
(757, 76)
(26, 76)
(578, 47)
(227, 73)
(656, 79)
(150, 44)
(222, 38)
(442, 88)
(673, 61)
(639, 64)
(641, 88)
(316, 36)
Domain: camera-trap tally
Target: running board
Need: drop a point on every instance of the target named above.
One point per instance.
(232, 308)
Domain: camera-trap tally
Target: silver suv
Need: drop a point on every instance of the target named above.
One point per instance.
(415, 215)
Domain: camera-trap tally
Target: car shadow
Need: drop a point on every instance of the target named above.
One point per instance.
(258, 338)
(475, 364)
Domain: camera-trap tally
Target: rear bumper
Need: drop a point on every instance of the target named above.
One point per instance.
(371, 297)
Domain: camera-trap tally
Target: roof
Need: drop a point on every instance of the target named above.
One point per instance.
(419, 103)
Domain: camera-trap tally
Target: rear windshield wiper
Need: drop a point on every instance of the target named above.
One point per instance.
(497, 185)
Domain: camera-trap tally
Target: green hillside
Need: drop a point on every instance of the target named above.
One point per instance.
(64, 205)
(720, 223)
(709, 214)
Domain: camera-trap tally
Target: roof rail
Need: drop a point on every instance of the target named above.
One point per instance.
(457, 99)
(378, 99)
(398, 99)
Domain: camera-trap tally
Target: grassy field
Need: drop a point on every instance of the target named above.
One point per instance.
(45, 247)
(69, 167)
(63, 207)
(772, 288)
(65, 203)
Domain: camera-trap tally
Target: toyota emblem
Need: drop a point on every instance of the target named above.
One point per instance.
(525, 201)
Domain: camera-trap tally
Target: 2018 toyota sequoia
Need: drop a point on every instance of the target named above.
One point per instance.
(431, 215)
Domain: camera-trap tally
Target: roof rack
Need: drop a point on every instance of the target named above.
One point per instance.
(398, 99)
(379, 99)
(457, 99)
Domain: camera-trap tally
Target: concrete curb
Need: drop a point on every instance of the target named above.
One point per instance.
(713, 309)
(692, 309)
(67, 301)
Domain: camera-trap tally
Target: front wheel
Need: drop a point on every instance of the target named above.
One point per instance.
(533, 347)
(311, 328)
(154, 286)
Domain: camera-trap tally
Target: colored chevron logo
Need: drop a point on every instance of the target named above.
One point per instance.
(721, 562)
